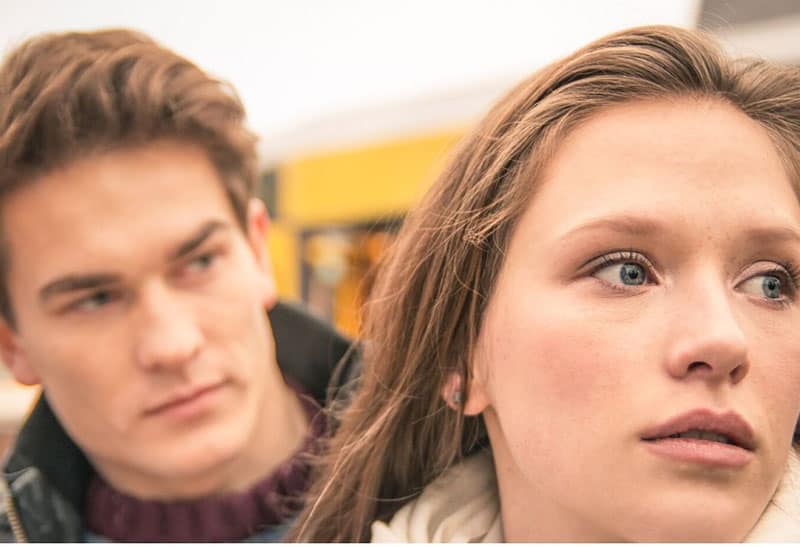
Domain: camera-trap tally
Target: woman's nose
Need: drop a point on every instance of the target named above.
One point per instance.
(706, 339)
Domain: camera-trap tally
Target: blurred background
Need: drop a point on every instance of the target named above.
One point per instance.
(358, 102)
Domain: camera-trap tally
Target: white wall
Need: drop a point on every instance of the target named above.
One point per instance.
(296, 60)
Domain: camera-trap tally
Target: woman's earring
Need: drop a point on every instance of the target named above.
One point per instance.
(452, 391)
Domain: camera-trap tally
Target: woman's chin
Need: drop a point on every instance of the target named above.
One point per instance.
(695, 522)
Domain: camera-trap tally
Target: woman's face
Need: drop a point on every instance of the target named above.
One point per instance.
(649, 291)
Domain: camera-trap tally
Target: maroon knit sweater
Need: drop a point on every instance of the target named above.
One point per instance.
(229, 517)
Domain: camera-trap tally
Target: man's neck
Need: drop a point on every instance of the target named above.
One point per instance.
(280, 433)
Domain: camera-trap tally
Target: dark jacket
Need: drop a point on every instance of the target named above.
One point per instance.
(45, 476)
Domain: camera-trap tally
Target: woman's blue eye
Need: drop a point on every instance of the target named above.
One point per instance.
(625, 273)
(631, 274)
(771, 285)
(767, 286)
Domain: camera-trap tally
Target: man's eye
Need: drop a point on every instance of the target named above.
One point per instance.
(199, 265)
(94, 301)
(624, 273)
(201, 262)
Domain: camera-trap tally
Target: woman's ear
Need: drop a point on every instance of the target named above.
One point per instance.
(13, 357)
(453, 393)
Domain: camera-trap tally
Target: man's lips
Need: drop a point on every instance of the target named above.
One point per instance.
(183, 396)
(705, 425)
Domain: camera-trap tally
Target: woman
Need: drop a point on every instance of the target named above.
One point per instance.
(588, 329)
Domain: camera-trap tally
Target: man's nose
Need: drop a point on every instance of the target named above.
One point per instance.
(168, 333)
(706, 340)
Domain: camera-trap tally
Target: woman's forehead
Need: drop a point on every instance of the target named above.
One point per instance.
(664, 162)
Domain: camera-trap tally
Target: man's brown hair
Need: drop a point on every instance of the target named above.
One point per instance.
(66, 96)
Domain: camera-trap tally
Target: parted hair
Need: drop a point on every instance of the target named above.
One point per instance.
(423, 317)
(65, 96)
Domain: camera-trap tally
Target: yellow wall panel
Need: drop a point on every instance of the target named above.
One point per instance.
(361, 184)
(283, 243)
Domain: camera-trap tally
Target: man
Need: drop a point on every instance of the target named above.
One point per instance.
(133, 290)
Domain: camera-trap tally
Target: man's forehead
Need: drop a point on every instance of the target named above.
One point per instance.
(164, 174)
(120, 195)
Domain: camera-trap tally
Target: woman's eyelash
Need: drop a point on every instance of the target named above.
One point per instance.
(616, 257)
(793, 273)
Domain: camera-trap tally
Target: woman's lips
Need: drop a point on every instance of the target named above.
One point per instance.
(705, 437)
(701, 452)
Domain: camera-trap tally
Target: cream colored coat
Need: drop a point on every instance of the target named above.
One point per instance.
(462, 506)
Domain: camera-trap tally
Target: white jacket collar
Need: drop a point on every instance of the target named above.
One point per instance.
(462, 506)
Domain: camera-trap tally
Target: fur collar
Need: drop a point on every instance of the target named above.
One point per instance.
(462, 506)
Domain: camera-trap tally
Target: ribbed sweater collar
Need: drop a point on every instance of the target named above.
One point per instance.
(228, 517)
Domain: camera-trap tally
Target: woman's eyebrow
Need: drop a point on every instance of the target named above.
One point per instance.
(622, 224)
(773, 234)
(642, 226)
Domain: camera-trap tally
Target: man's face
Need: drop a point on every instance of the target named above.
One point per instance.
(140, 308)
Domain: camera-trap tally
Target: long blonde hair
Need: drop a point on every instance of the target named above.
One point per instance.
(429, 298)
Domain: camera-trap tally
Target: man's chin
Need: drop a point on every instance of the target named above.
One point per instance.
(192, 467)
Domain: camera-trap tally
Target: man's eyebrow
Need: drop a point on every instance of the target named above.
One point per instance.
(77, 282)
(83, 282)
(623, 224)
(198, 238)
